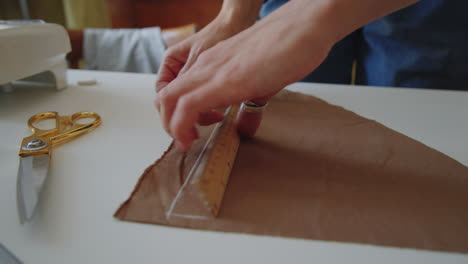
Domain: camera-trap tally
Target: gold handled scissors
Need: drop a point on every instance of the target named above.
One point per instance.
(35, 153)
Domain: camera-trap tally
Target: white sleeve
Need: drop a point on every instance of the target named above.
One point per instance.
(128, 50)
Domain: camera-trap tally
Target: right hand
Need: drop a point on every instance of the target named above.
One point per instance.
(179, 58)
(254, 64)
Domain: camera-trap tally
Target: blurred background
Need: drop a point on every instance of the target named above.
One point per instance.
(178, 19)
(79, 14)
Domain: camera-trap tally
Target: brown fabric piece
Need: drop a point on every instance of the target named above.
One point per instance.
(318, 171)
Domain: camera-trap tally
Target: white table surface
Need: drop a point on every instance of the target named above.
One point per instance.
(92, 175)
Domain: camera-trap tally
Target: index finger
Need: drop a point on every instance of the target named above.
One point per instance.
(188, 108)
(169, 70)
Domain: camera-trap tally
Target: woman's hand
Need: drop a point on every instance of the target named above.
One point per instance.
(256, 63)
(235, 16)
(252, 65)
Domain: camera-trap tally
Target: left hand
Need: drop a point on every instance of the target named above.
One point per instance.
(252, 65)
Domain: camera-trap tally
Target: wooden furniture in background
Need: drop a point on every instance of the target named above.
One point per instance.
(162, 13)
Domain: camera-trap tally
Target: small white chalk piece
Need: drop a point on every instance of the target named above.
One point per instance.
(87, 82)
(7, 88)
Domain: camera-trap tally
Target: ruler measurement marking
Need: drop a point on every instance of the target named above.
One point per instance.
(215, 177)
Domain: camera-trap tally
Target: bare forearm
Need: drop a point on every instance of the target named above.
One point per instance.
(242, 12)
(307, 27)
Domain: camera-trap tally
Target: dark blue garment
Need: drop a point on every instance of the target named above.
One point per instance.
(424, 45)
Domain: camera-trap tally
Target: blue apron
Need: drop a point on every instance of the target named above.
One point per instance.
(424, 45)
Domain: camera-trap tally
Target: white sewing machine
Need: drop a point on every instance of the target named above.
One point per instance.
(32, 53)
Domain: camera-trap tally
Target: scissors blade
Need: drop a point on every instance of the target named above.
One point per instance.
(7, 257)
(32, 173)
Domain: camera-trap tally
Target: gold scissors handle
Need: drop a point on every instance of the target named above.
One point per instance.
(66, 129)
